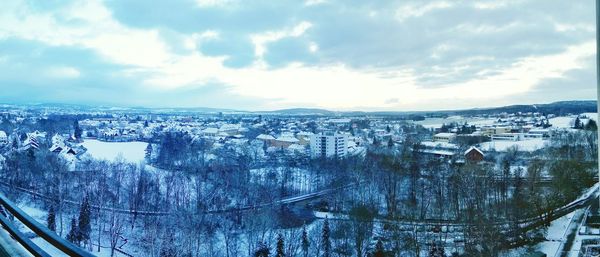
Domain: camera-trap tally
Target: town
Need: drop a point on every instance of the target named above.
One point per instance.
(228, 183)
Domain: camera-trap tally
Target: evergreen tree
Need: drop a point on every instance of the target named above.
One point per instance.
(591, 125)
(148, 152)
(72, 235)
(280, 246)
(305, 241)
(325, 238)
(379, 250)
(375, 141)
(390, 143)
(51, 219)
(578, 124)
(15, 143)
(145, 124)
(262, 250)
(84, 221)
(77, 130)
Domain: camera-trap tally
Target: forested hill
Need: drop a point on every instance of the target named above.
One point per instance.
(557, 108)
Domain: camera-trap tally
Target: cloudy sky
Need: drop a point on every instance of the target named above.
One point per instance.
(261, 55)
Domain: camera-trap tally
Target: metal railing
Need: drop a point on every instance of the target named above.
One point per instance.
(37, 228)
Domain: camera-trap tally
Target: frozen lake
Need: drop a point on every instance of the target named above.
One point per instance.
(131, 151)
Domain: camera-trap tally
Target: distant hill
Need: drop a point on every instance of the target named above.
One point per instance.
(194, 110)
(557, 108)
(303, 111)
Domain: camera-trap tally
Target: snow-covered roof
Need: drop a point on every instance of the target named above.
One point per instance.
(287, 138)
(438, 152)
(439, 145)
(474, 148)
(228, 127)
(296, 147)
(445, 135)
(210, 130)
(265, 137)
(3, 134)
(339, 120)
(54, 148)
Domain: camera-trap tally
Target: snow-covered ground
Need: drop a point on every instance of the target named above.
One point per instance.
(562, 122)
(557, 233)
(523, 145)
(130, 151)
(591, 115)
(40, 216)
(437, 122)
(569, 121)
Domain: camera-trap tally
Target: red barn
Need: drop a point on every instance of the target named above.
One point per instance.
(473, 154)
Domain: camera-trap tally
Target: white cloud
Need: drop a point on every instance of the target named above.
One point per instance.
(145, 54)
(341, 87)
(313, 47)
(314, 2)
(260, 40)
(63, 72)
(213, 3)
(419, 9)
(494, 4)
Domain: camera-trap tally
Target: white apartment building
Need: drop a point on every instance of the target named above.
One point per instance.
(329, 145)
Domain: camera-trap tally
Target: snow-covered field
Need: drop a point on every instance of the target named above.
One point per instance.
(568, 121)
(130, 151)
(523, 145)
(437, 122)
(591, 115)
(562, 122)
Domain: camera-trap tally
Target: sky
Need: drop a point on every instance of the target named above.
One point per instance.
(265, 55)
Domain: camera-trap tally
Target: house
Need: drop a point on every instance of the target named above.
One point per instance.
(473, 154)
(303, 137)
(442, 150)
(444, 137)
(537, 133)
(285, 140)
(488, 130)
(297, 149)
(3, 138)
(34, 139)
(210, 132)
(230, 129)
(56, 149)
(265, 137)
(68, 150)
(508, 136)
